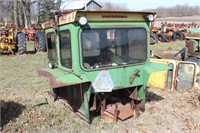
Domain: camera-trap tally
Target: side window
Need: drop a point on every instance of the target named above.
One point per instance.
(51, 42)
(65, 49)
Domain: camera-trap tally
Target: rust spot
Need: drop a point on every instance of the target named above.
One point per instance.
(58, 84)
(190, 45)
(192, 35)
(44, 73)
(53, 80)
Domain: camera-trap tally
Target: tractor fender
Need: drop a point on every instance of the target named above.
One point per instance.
(62, 78)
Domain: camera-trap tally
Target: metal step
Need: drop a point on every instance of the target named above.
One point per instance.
(118, 111)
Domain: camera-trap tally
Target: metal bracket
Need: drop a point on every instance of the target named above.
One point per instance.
(132, 77)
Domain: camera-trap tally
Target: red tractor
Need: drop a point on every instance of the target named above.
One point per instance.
(37, 36)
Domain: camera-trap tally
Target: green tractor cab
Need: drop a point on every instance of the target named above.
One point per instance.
(99, 61)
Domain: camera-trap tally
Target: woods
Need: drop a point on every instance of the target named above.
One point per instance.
(178, 11)
(24, 13)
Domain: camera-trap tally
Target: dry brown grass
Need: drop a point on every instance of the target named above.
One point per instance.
(21, 88)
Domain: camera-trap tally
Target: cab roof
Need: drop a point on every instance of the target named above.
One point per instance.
(69, 17)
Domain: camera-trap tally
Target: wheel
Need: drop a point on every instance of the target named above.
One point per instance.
(40, 42)
(173, 38)
(163, 37)
(179, 35)
(154, 37)
(21, 42)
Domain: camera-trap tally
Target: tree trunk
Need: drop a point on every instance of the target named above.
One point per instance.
(15, 14)
(26, 13)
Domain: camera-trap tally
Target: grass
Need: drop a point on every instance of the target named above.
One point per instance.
(21, 88)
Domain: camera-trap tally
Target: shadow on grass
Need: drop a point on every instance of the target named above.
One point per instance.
(9, 111)
(30, 52)
(150, 96)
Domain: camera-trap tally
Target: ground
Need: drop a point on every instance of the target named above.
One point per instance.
(21, 91)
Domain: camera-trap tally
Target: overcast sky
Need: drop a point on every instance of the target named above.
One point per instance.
(152, 4)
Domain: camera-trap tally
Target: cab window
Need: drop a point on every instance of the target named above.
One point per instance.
(65, 49)
(107, 47)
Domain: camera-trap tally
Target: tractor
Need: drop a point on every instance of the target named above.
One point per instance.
(99, 61)
(193, 45)
(12, 41)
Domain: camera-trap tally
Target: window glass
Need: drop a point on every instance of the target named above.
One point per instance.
(65, 49)
(51, 42)
(117, 46)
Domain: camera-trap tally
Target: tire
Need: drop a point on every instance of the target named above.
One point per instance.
(179, 35)
(40, 42)
(155, 37)
(163, 37)
(173, 38)
(21, 42)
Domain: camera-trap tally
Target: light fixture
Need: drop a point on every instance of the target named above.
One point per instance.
(50, 65)
(82, 20)
(150, 17)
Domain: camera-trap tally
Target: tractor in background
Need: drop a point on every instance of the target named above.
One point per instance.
(12, 40)
(193, 45)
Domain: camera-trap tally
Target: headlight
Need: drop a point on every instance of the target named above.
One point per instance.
(50, 65)
(82, 20)
(150, 17)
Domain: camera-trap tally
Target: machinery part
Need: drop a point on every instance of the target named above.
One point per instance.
(121, 105)
(154, 37)
(181, 75)
(193, 59)
(170, 76)
(21, 39)
(119, 89)
(162, 37)
(186, 75)
(179, 35)
(173, 37)
(40, 42)
(132, 77)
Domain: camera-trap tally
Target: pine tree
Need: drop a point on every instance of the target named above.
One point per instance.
(45, 7)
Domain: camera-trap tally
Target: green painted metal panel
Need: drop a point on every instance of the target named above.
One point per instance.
(79, 83)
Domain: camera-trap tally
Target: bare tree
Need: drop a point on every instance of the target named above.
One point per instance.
(25, 6)
(5, 10)
(178, 11)
(15, 13)
(109, 6)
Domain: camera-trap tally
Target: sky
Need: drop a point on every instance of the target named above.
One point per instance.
(152, 4)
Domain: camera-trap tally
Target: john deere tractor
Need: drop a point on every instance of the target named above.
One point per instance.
(99, 61)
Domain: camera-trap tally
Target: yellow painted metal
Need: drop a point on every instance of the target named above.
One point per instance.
(7, 41)
(100, 16)
(158, 79)
(161, 79)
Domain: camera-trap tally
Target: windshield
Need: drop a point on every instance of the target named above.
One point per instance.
(112, 47)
